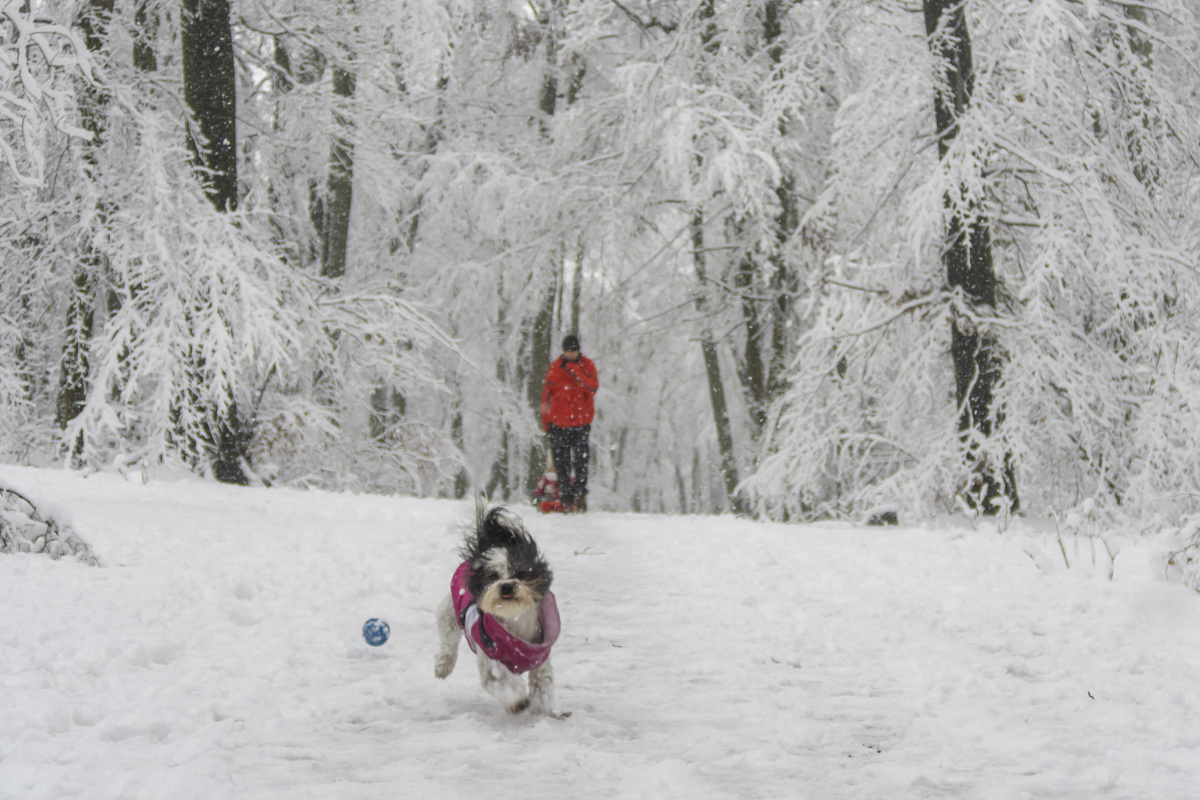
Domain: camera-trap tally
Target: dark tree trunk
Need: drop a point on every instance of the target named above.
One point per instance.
(708, 346)
(783, 279)
(548, 98)
(1137, 137)
(540, 345)
(572, 325)
(73, 382)
(145, 61)
(712, 372)
(283, 228)
(967, 257)
(387, 408)
(753, 363)
(461, 482)
(340, 187)
(497, 485)
(145, 54)
(499, 480)
(283, 70)
(783, 289)
(210, 91)
(334, 227)
(764, 277)
(542, 330)
(75, 366)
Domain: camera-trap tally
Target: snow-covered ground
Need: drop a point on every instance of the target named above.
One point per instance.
(217, 654)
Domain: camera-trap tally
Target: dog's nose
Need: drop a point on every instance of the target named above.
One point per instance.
(507, 590)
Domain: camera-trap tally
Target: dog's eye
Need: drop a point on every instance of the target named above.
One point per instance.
(492, 576)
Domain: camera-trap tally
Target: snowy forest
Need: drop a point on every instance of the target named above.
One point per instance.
(827, 255)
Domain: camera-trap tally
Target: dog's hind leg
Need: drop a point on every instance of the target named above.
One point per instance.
(448, 636)
(541, 689)
(501, 684)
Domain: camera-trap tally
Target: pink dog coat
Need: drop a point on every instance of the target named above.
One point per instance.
(484, 630)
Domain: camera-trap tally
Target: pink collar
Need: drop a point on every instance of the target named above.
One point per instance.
(485, 631)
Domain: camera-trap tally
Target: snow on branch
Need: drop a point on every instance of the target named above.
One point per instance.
(36, 60)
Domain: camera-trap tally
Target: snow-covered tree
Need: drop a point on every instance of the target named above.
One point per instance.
(196, 309)
(1078, 151)
(727, 201)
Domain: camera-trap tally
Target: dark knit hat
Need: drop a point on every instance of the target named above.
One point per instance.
(570, 342)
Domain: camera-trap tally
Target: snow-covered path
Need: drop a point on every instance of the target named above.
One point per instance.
(217, 654)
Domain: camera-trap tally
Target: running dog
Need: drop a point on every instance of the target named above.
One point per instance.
(500, 601)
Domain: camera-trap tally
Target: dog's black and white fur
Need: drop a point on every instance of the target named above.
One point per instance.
(509, 578)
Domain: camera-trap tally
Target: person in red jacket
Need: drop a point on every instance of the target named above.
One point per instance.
(567, 411)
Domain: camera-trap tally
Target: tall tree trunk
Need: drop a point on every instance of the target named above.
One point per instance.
(708, 346)
(340, 187)
(75, 365)
(283, 230)
(1145, 168)
(210, 91)
(787, 221)
(967, 256)
(461, 482)
(754, 366)
(763, 278)
(145, 61)
(572, 325)
(783, 290)
(540, 344)
(712, 371)
(145, 52)
(387, 404)
(500, 479)
(306, 66)
(542, 330)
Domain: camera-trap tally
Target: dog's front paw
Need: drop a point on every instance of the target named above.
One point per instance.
(443, 666)
(538, 705)
(519, 706)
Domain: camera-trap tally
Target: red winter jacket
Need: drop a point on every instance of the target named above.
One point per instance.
(568, 391)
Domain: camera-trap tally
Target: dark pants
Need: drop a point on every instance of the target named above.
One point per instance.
(570, 449)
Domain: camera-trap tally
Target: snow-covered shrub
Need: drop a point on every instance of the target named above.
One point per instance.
(23, 529)
(1183, 564)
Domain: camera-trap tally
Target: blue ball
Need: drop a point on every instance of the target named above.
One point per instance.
(376, 631)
